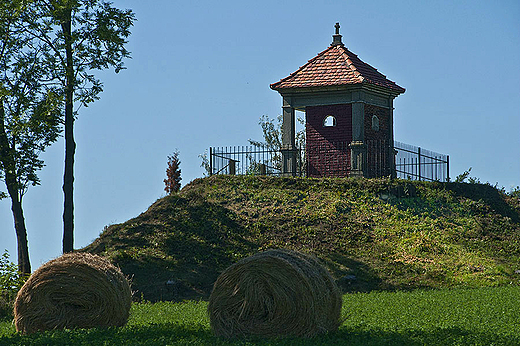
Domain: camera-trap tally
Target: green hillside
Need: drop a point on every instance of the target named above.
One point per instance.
(371, 234)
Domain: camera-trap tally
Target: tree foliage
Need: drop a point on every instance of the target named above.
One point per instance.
(79, 38)
(97, 34)
(11, 280)
(205, 163)
(272, 133)
(29, 107)
(173, 174)
(30, 117)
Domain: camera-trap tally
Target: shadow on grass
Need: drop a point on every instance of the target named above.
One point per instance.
(487, 193)
(176, 249)
(172, 334)
(353, 275)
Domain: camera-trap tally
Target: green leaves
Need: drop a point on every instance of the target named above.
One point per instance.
(10, 282)
(30, 101)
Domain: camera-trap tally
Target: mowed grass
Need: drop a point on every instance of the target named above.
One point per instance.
(484, 316)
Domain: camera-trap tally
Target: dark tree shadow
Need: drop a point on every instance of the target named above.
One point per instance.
(353, 275)
(489, 194)
(187, 244)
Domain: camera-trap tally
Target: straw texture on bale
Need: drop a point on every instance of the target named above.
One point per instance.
(76, 290)
(276, 293)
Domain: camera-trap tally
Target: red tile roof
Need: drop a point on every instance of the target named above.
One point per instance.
(333, 67)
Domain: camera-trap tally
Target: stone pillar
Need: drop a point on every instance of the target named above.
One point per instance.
(391, 151)
(288, 139)
(358, 155)
(358, 121)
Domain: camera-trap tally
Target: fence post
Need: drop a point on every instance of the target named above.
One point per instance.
(210, 161)
(289, 161)
(448, 168)
(391, 160)
(263, 171)
(419, 162)
(232, 168)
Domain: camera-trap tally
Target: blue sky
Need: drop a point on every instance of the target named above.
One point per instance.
(199, 77)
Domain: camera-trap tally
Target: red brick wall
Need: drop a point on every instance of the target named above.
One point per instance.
(383, 114)
(327, 147)
(377, 141)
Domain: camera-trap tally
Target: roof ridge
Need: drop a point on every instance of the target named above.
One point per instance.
(351, 64)
(365, 63)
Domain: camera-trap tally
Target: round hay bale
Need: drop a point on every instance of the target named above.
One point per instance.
(75, 290)
(276, 293)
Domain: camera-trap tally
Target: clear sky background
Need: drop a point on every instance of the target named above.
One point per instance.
(200, 76)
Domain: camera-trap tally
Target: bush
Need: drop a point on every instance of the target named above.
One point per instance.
(10, 283)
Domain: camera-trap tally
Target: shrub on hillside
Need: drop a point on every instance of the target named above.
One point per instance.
(173, 174)
(10, 282)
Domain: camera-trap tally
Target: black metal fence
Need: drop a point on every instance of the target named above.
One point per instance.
(416, 163)
(411, 162)
(250, 160)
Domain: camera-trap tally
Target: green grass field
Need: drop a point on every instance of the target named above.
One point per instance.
(483, 316)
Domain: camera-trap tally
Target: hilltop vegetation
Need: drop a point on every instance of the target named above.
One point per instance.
(371, 233)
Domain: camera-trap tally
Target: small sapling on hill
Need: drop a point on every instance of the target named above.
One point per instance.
(173, 174)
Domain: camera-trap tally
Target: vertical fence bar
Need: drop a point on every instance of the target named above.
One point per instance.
(419, 160)
(448, 167)
(210, 161)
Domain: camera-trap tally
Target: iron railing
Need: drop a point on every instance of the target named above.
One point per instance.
(416, 163)
(333, 159)
(250, 160)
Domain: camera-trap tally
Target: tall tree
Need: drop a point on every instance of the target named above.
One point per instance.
(83, 35)
(29, 113)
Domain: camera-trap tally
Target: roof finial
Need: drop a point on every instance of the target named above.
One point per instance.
(336, 39)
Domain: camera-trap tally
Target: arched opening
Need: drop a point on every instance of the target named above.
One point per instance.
(375, 123)
(329, 121)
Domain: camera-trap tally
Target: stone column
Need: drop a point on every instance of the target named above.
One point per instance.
(358, 122)
(391, 151)
(288, 139)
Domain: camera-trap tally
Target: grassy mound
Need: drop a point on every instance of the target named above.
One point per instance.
(370, 233)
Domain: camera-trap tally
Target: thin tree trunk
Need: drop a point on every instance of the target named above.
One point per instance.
(70, 145)
(24, 265)
(8, 162)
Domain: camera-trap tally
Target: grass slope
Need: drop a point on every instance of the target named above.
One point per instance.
(372, 234)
